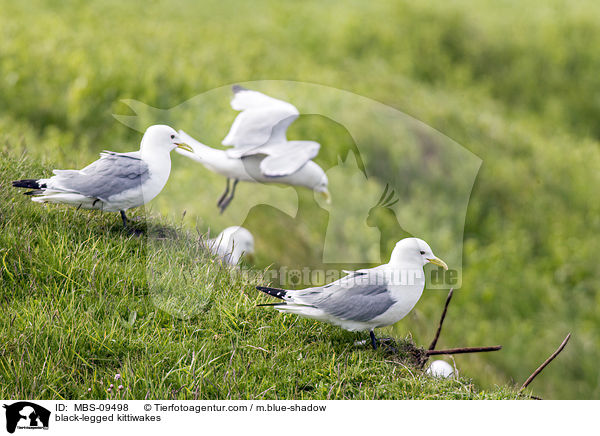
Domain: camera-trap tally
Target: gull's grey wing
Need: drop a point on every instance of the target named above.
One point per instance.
(360, 303)
(262, 119)
(286, 159)
(112, 174)
(359, 297)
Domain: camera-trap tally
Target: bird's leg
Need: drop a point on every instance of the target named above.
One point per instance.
(224, 195)
(226, 202)
(124, 218)
(373, 340)
(235, 182)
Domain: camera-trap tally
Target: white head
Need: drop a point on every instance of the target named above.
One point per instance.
(163, 138)
(232, 243)
(415, 251)
(322, 187)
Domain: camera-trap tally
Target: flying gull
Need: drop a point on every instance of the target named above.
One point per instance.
(260, 150)
(117, 181)
(231, 244)
(368, 298)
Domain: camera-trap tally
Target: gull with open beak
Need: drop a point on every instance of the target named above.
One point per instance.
(368, 298)
(117, 181)
(260, 150)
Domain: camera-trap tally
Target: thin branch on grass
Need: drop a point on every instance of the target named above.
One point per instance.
(463, 350)
(439, 329)
(548, 360)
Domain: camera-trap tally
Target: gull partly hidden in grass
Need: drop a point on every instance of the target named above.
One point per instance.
(368, 298)
(231, 244)
(440, 369)
(117, 181)
(260, 150)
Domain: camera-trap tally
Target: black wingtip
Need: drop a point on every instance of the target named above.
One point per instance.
(273, 292)
(238, 88)
(27, 183)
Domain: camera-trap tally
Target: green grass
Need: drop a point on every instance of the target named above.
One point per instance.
(84, 300)
(514, 84)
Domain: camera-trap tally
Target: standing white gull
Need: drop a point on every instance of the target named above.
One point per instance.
(117, 181)
(261, 152)
(369, 298)
(232, 243)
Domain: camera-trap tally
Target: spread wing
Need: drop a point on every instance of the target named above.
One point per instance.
(285, 159)
(260, 129)
(262, 119)
(112, 174)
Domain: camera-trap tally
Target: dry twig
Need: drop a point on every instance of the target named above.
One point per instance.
(463, 350)
(543, 365)
(439, 329)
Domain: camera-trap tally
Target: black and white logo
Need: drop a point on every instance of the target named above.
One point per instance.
(26, 415)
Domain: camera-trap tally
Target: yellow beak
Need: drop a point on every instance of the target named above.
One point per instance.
(438, 262)
(185, 147)
(326, 196)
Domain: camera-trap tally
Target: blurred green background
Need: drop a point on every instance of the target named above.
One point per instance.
(515, 83)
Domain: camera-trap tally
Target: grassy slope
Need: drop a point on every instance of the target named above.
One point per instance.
(82, 303)
(515, 84)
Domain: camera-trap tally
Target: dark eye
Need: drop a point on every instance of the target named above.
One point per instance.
(172, 136)
(422, 252)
